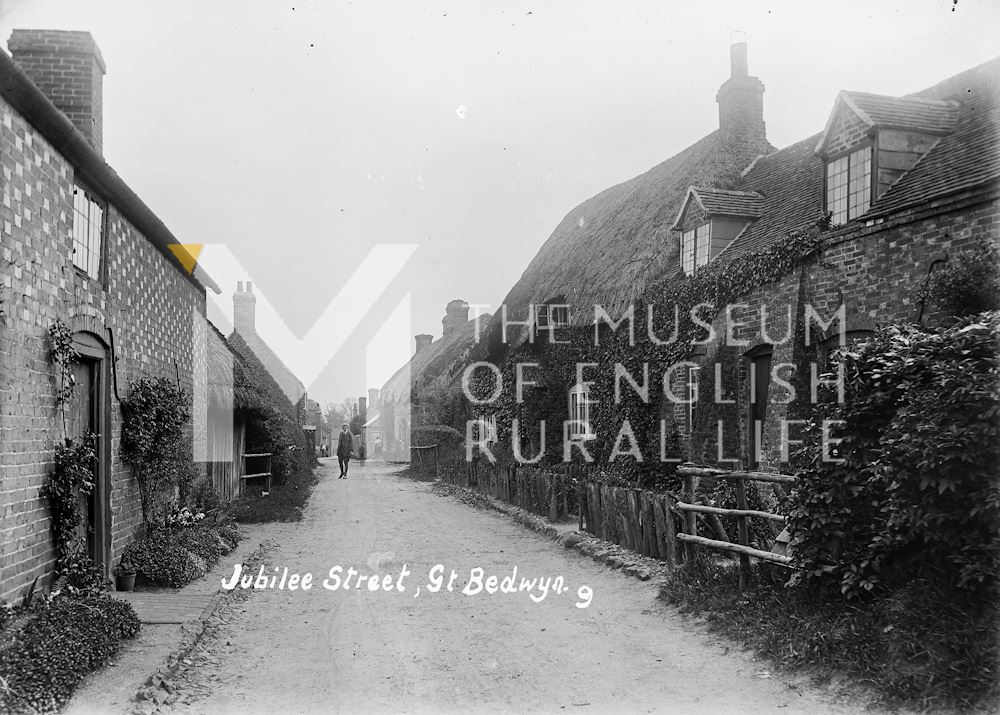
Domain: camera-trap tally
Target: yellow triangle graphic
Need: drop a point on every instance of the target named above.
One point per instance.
(187, 254)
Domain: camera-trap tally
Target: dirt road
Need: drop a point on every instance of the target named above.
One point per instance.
(417, 651)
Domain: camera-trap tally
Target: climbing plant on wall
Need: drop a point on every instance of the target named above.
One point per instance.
(670, 302)
(153, 418)
(73, 476)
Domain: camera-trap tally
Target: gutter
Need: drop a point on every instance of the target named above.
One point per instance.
(89, 165)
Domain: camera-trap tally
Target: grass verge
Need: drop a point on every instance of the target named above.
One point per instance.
(919, 648)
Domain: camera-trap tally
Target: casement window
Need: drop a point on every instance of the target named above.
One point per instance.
(88, 232)
(690, 397)
(551, 316)
(488, 428)
(849, 185)
(579, 413)
(695, 246)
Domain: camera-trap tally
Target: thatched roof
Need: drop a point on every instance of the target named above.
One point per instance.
(229, 383)
(610, 247)
(441, 360)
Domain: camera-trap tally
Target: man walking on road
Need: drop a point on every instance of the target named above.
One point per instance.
(345, 444)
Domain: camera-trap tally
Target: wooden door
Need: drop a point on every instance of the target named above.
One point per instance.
(88, 414)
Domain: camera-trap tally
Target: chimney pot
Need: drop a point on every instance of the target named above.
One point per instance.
(738, 59)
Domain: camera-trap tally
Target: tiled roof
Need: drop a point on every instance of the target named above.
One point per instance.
(728, 203)
(916, 113)
(967, 157)
(790, 183)
(791, 180)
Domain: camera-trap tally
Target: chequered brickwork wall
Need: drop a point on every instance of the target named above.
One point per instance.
(147, 303)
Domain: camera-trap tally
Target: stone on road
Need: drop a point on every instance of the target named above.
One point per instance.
(416, 651)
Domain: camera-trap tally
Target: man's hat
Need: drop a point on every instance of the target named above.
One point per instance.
(344, 425)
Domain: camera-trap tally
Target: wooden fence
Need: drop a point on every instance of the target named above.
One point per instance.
(639, 520)
(691, 509)
(544, 492)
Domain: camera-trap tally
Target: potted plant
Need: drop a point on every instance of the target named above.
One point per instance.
(125, 580)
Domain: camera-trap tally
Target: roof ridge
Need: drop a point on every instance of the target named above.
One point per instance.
(943, 103)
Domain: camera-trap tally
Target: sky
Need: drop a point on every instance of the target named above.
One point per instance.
(295, 137)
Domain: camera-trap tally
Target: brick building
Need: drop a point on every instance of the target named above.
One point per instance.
(894, 186)
(78, 246)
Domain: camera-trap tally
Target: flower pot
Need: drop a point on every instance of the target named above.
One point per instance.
(125, 581)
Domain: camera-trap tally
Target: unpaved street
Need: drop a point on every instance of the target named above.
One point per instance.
(387, 651)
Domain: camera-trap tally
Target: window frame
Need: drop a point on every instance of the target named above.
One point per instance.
(488, 429)
(582, 394)
(93, 197)
(700, 254)
(869, 146)
(691, 386)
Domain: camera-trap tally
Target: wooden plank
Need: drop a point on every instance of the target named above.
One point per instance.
(735, 548)
(553, 497)
(665, 525)
(701, 508)
(632, 514)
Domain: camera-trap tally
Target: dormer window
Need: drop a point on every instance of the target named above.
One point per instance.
(849, 185)
(694, 247)
(551, 316)
(709, 220)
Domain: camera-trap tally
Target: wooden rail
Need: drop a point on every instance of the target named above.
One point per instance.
(264, 474)
(689, 537)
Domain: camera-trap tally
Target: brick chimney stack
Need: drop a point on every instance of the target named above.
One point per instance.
(423, 341)
(456, 314)
(68, 68)
(244, 308)
(741, 105)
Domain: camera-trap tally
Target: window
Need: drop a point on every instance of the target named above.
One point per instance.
(488, 428)
(579, 413)
(694, 247)
(690, 397)
(551, 316)
(88, 232)
(849, 185)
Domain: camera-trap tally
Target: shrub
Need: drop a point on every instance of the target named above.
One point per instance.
(45, 654)
(202, 542)
(231, 534)
(967, 284)
(916, 493)
(161, 558)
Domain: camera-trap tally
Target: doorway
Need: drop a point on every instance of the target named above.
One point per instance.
(89, 413)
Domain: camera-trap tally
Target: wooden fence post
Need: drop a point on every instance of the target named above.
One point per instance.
(690, 518)
(742, 532)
